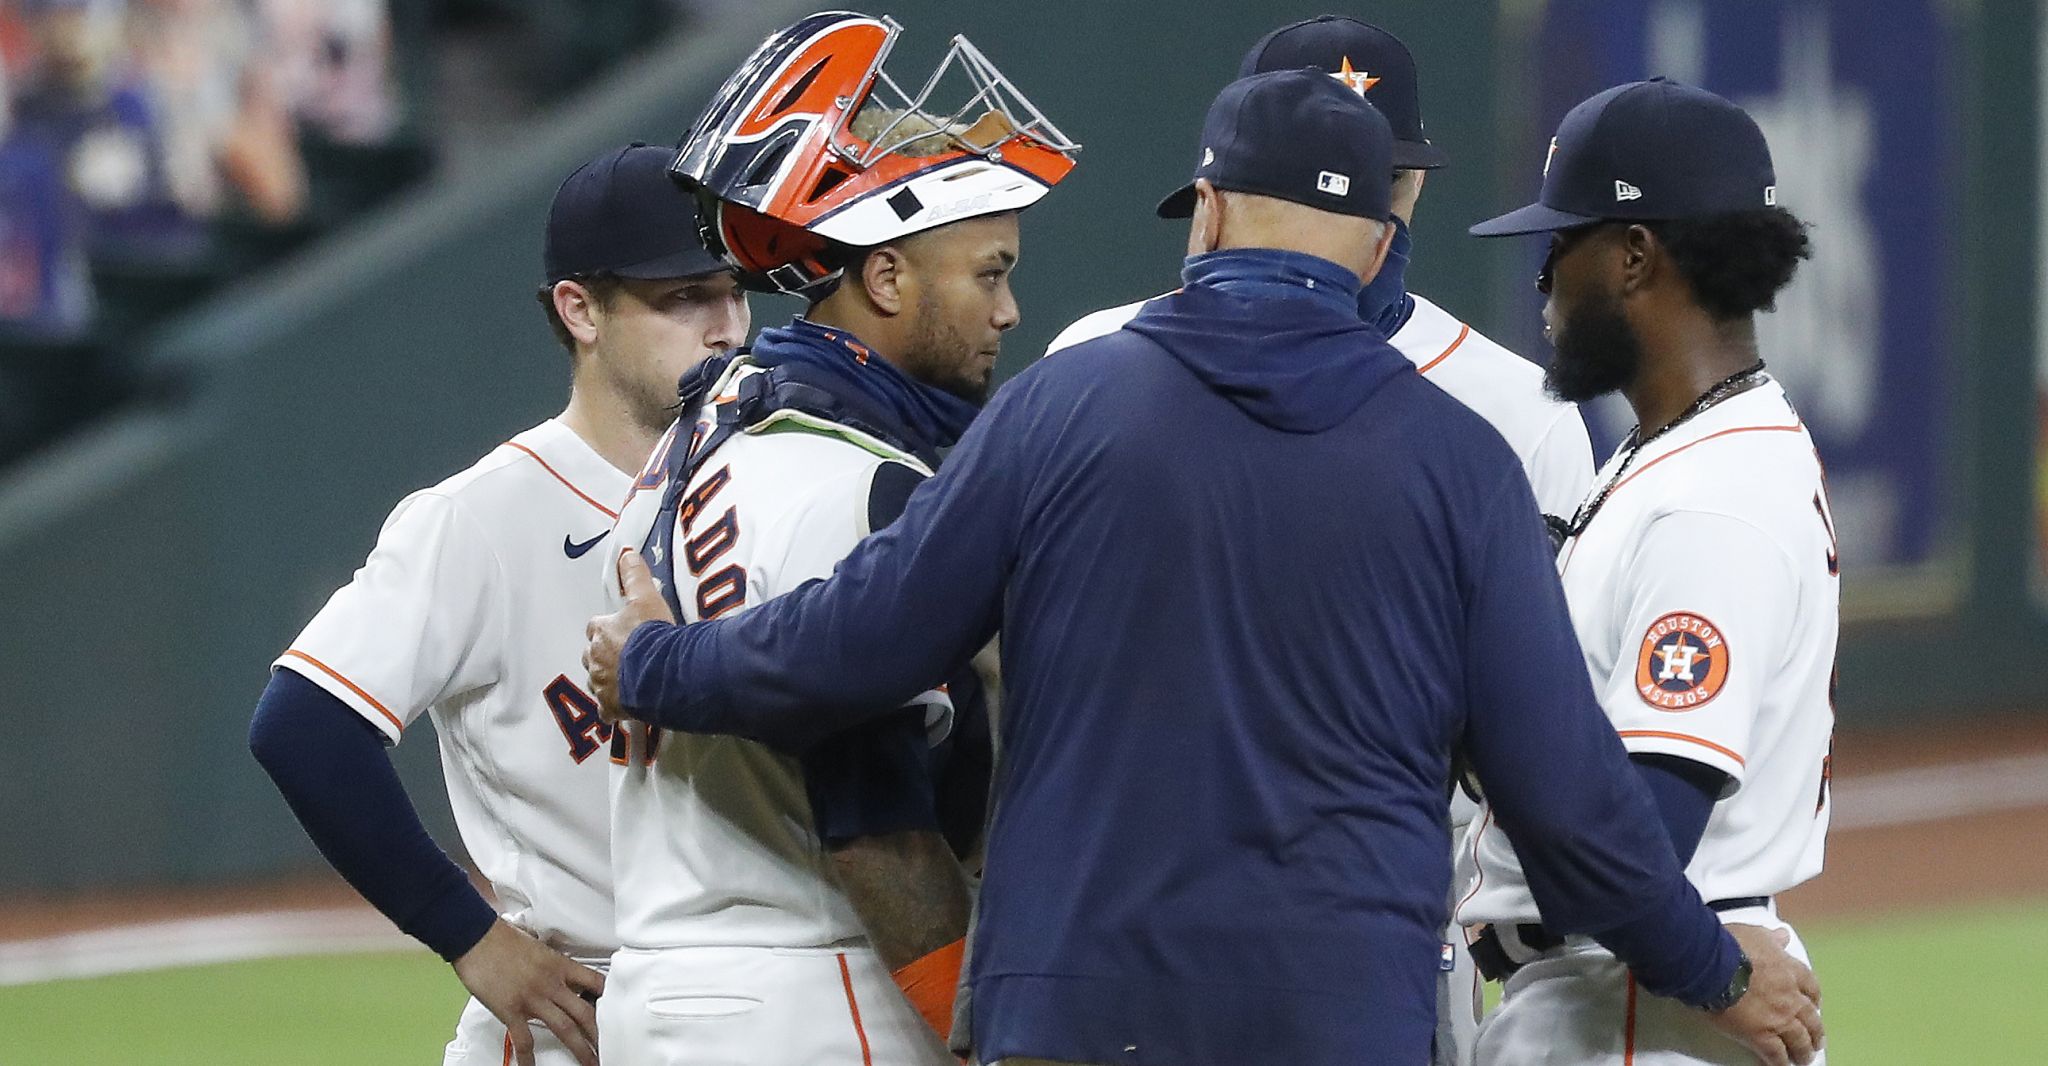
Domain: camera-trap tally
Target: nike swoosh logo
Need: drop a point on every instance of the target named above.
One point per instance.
(576, 551)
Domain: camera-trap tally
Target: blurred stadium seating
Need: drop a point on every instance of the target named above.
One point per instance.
(153, 151)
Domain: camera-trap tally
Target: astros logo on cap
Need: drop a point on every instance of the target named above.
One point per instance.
(1683, 662)
(1358, 80)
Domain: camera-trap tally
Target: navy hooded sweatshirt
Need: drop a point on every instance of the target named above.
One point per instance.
(1256, 579)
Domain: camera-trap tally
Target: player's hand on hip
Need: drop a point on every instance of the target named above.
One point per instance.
(519, 979)
(1779, 1017)
(607, 633)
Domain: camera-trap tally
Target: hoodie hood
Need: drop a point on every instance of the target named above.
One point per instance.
(1290, 350)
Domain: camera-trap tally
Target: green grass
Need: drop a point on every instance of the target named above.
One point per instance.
(1952, 987)
(349, 1010)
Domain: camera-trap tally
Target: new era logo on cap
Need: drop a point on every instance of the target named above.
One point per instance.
(1333, 183)
(1208, 156)
(1770, 196)
(1624, 191)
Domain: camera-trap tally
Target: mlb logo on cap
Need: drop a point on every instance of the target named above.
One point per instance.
(1296, 135)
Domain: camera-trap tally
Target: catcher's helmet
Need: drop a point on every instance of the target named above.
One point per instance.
(811, 144)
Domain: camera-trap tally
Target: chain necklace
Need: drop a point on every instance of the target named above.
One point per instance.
(1740, 381)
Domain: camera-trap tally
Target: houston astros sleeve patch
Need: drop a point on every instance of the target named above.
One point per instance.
(1683, 662)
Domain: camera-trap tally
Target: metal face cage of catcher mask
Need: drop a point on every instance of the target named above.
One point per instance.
(812, 133)
(1008, 114)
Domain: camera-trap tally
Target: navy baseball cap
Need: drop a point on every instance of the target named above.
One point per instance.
(1366, 58)
(622, 214)
(1647, 151)
(1296, 135)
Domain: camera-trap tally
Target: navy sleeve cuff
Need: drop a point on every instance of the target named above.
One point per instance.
(644, 687)
(331, 767)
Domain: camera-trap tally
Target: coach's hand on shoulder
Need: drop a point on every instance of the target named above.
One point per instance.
(608, 632)
(1779, 1016)
(518, 978)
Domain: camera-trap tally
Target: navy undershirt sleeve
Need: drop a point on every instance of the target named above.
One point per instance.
(872, 779)
(331, 766)
(1685, 792)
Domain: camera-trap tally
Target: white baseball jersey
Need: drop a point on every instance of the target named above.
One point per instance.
(1547, 434)
(1705, 595)
(472, 608)
(716, 841)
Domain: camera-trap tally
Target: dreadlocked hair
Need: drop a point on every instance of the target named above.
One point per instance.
(1737, 263)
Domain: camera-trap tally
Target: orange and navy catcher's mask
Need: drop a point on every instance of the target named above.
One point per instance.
(810, 144)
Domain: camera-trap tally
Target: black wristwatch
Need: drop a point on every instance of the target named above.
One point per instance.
(1737, 985)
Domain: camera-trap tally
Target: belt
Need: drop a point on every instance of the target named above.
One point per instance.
(1500, 950)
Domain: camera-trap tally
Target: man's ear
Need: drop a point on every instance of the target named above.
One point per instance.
(884, 275)
(1205, 229)
(578, 309)
(1642, 256)
(1380, 248)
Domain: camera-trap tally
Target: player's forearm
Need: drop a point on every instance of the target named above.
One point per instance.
(1677, 949)
(909, 604)
(824, 658)
(1591, 840)
(331, 768)
(676, 677)
(908, 890)
(1554, 771)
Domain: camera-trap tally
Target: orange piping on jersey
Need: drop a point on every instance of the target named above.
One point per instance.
(352, 686)
(584, 496)
(1628, 1032)
(1479, 881)
(1793, 428)
(1463, 331)
(508, 1048)
(1626, 733)
(867, 1057)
